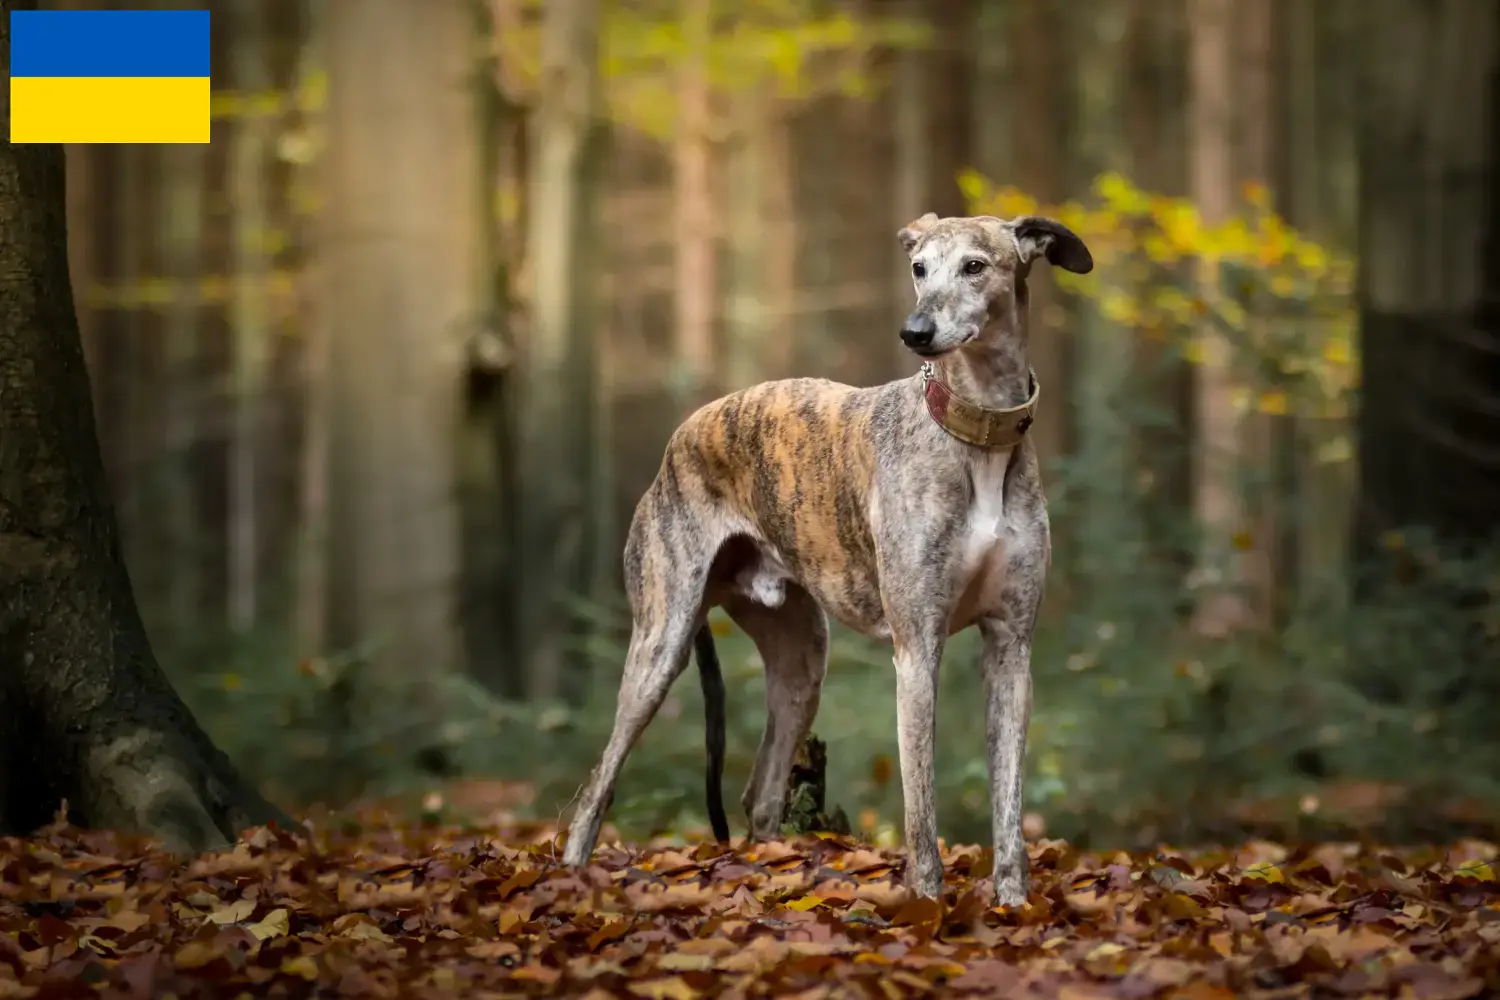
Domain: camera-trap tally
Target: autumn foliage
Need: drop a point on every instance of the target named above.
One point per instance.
(1283, 301)
(386, 910)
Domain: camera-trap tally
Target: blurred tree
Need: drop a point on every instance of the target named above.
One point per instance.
(86, 714)
(913, 167)
(1265, 439)
(556, 411)
(1041, 87)
(1224, 571)
(748, 250)
(1314, 183)
(182, 213)
(696, 225)
(486, 450)
(249, 319)
(1155, 102)
(398, 261)
(1104, 523)
(1429, 300)
(301, 144)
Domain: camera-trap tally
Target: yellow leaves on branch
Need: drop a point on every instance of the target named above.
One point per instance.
(1283, 302)
(780, 46)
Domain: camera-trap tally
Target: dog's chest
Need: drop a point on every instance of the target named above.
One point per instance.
(987, 543)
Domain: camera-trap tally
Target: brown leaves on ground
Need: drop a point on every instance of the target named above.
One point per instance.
(424, 913)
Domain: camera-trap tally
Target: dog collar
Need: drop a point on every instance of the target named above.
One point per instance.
(978, 425)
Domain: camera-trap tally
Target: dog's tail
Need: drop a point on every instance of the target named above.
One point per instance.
(712, 679)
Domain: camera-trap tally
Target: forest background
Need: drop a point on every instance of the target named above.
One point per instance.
(380, 373)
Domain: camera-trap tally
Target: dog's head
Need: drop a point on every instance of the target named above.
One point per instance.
(970, 275)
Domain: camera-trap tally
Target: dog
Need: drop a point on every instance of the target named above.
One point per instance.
(907, 511)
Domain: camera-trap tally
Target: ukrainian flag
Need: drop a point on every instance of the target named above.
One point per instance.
(109, 76)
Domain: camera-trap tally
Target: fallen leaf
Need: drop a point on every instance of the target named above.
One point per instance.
(273, 924)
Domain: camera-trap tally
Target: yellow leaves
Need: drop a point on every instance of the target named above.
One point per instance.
(1265, 871)
(805, 903)
(277, 923)
(669, 988)
(1476, 869)
(1119, 307)
(301, 966)
(974, 186)
(1273, 402)
(1183, 228)
(1269, 297)
(1336, 351)
(196, 954)
(1010, 202)
(235, 912)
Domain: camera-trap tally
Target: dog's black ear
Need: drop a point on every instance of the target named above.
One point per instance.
(1038, 235)
(910, 236)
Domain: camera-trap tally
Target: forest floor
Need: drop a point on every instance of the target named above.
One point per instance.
(378, 909)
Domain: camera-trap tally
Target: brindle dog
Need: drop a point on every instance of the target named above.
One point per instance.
(907, 511)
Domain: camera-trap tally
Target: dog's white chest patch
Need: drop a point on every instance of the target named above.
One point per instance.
(987, 542)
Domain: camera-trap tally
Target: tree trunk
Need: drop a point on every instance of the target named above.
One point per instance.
(746, 249)
(1429, 300)
(1044, 95)
(1105, 531)
(1221, 517)
(557, 384)
(88, 716)
(310, 616)
(183, 228)
(913, 174)
(399, 262)
(696, 239)
(782, 256)
(249, 321)
(1155, 105)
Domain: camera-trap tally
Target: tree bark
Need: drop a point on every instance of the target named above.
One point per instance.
(1103, 562)
(557, 385)
(1155, 109)
(399, 262)
(86, 714)
(1429, 299)
(1220, 510)
(249, 320)
(696, 236)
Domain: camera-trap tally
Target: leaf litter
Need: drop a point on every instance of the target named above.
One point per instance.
(388, 910)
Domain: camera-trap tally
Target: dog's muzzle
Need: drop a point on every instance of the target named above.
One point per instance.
(917, 332)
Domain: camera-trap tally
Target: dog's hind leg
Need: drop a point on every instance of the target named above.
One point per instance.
(792, 639)
(658, 653)
(666, 564)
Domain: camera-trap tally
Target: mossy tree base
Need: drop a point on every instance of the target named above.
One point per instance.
(86, 714)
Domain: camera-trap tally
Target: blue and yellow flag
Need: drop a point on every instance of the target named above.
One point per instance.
(109, 76)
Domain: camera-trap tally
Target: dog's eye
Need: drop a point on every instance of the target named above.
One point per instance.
(919, 269)
(974, 267)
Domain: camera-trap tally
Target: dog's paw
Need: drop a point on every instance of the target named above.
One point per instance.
(925, 880)
(1011, 890)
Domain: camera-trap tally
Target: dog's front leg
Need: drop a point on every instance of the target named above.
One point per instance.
(917, 659)
(1007, 682)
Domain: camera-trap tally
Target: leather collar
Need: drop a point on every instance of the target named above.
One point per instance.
(978, 425)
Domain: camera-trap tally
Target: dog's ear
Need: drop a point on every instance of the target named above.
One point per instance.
(1038, 235)
(913, 232)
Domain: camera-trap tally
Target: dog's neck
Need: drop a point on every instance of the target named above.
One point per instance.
(984, 393)
(991, 371)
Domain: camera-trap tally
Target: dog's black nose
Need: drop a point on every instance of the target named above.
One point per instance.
(917, 331)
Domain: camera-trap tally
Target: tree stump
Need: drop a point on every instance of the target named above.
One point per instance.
(807, 793)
